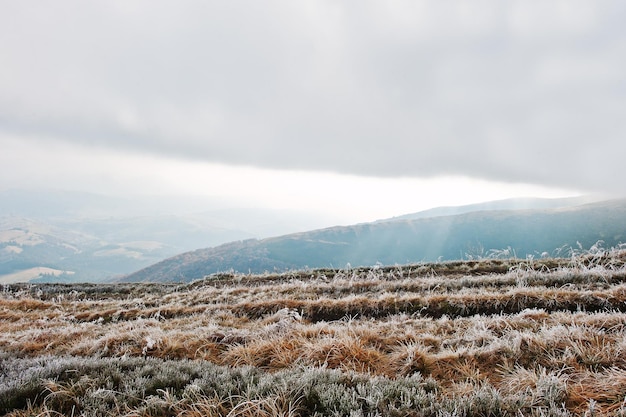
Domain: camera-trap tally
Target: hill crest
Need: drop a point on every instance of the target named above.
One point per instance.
(521, 233)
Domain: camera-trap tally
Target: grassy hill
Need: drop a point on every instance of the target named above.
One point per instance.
(498, 337)
(493, 233)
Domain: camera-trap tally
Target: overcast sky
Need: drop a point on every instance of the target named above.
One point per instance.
(373, 108)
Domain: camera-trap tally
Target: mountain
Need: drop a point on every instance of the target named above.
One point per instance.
(44, 251)
(521, 233)
(507, 204)
(69, 236)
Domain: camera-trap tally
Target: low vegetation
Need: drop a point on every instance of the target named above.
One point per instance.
(488, 337)
(406, 240)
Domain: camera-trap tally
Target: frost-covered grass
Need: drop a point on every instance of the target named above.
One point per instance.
(498, 337)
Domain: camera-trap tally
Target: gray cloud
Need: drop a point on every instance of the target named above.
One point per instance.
(530, 91)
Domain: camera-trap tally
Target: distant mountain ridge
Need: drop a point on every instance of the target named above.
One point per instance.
(506, 204)
(528, 232)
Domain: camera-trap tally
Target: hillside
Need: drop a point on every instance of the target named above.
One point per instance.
(507, 204)
(488, 233)
(69, 249)
(499, 337)
(75, 237)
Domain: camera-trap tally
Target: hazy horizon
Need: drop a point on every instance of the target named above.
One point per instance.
(37, 202)
(78, 236)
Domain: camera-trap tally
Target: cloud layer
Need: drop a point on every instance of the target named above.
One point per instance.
(521, 91)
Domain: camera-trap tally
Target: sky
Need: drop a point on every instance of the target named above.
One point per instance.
(365, 109)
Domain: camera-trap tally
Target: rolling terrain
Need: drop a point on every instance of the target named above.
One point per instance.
(410, 239)
(497, 337)
(94, 250)
(77, 237)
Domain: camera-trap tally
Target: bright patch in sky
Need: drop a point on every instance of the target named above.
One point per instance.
(348, 198)
(353, 198)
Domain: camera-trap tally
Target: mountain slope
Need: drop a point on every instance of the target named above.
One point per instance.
(519, 232)
(38, 250)
(507, 204)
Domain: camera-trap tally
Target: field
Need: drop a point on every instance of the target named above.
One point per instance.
(491, 337)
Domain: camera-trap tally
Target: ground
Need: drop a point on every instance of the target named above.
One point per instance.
(485, 337)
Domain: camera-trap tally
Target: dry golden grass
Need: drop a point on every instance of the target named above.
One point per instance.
(550, 333)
